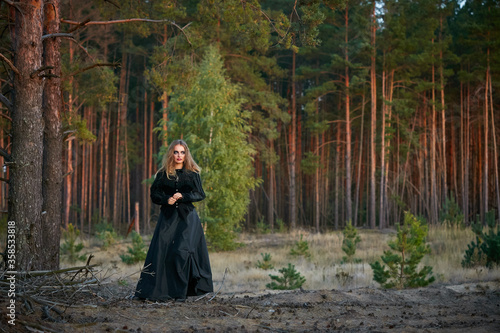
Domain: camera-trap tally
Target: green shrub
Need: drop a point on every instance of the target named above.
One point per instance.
(486, 250)
(280, 226)
(136, 253)
(409, 249)
(301, 248)
(350, 241)
(106, 234)
(70, 248)
(290, 279)
(451, 213)
(266, 262)
(262, 227)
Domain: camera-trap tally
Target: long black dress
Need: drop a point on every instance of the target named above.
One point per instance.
(177, 263)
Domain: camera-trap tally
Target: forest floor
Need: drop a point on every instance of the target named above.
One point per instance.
(439, 308)
(469, 305)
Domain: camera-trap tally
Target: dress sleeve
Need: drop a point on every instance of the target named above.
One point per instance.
(158, 196)
(197, 193)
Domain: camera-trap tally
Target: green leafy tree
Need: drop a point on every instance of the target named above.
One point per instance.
(207, 114)
(409, 248)
(290, 279)
(350, 241)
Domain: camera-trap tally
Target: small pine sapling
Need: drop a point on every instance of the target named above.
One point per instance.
(70, 248)
(349, 243)
(266, 262)
(409, 249)
(301, 248)
(486, 250)
(290, 279)
(136, 253)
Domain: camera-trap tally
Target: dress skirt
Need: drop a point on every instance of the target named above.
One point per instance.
(177, 263)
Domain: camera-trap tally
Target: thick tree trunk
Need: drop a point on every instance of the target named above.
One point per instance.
(25, 199)
(52, 154)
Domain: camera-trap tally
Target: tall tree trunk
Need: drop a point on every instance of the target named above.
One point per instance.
(270, 205)
(382, 152)
(495, 150)
(486, 144)
(145, 167)
(348, 196)
(443, 114)
(25, 197)
(69, 154)
(336, 205)
(360, 161)
(373, 126)
(52, 154)
(292, 153)
(434, 195)
(122, 107)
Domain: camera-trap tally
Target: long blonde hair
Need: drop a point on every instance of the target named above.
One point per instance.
(168, 162)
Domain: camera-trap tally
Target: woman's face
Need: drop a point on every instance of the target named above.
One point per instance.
(179, 154)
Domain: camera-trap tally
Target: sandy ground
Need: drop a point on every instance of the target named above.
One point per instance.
(108, 307)
(440, 308)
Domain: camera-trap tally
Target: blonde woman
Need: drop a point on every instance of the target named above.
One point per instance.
(177, 263)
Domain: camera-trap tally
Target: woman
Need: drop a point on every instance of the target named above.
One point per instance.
(177, 263)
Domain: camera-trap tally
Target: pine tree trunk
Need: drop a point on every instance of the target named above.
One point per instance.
(373, 126)
(348, 185)
(360, 162)
(495, 150)
(434, 195)
(270, 204)
(336, 204)
(292, 153)
(443, 114)
(486, 144)
(52, 154)
(382, 153)
(25, 197)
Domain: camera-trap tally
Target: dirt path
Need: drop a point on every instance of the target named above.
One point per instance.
(440, 308)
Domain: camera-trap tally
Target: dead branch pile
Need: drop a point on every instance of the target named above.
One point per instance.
(54, 291)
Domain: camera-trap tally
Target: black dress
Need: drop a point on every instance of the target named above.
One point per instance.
(177, 263)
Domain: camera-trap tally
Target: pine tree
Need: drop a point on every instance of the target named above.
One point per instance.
(409, 249)
(207, 114)
(290, 279)
(350, 241)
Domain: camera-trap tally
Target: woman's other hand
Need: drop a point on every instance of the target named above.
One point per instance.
(172, 200)
(177, 196)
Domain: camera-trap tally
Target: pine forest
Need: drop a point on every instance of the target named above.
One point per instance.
(302, 114)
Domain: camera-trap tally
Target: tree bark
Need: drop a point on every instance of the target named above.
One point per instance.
(52, 141)
(25, 199)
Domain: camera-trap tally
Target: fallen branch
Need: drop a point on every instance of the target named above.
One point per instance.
(223, 278)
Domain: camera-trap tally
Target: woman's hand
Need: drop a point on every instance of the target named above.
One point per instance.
(172, 200)
(177, 196)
